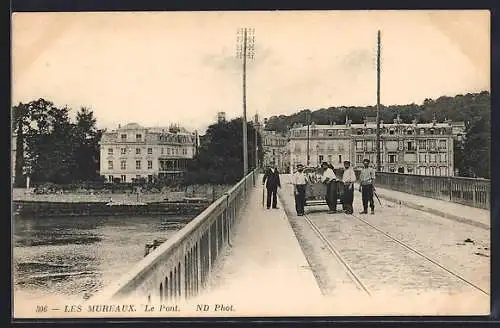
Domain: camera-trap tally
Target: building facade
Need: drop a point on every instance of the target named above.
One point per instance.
(132, 151)
(424, 149)
(326, 143)
(275, 150)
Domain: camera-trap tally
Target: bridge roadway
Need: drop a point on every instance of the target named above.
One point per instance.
(414, 256)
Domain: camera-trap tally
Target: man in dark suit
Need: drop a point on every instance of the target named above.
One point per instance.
(272, 181)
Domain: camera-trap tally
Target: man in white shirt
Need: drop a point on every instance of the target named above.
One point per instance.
(329, 178)
(348, 178)
(299, 181)
(366, 187)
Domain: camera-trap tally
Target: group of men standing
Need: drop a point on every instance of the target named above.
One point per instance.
(366, 187)
(366, 181)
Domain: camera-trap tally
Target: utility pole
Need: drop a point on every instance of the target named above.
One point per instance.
(378, 101)
(245, 49)
(308, 120)
(256, 129)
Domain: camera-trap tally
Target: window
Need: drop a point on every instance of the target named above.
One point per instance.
(392, 158)
(321, 158)
(110, 151)
(330, 133)
(110, 178)
(137, 177)
(432, 144)
(124, 137)
(392, 170)
(138, 151)
(123, 151)
(138, 137)
(409, 132)
(433, 158)
(161, 151)
(391, 131)
(150, 165)
(422, 144)
(168, 151)
(124, 178)
(422, 131)
(409, 170)
(431, 131)
(442, 144)
(150, 151)
(137, 165)
(359, 132)
(110, 165)
(422, 157)
(410, 145)
(359, 158)
(369, 145)
(184, 151)
(443, 157)
(340, 158)
(359, 145)
(329, 158)
(123, 165)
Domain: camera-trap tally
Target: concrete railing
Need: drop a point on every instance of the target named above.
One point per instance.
(466, 191)
(180, 267)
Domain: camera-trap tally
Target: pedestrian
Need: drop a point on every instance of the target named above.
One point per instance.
(348, 178)
(272, 181)
(299, 189)
(329, 178)
(366, 186)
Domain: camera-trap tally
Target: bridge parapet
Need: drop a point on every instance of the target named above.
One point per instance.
(179, 268)
(466, 191)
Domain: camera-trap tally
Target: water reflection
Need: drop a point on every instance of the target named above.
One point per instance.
(78, 256)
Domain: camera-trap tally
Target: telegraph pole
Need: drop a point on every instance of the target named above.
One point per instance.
(378, 101)
(308, 119)
(245, 44)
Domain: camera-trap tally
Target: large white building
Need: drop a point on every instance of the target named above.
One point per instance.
(412, 148)
(133, 151)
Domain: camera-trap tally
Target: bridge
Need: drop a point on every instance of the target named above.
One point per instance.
(425, 251)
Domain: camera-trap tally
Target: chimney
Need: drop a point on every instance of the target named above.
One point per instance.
(414, 121)
(364, 121)
(434, 119)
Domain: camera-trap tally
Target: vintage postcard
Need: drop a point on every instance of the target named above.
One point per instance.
(250, 164)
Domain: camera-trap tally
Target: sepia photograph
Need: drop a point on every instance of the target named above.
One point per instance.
(250, 164)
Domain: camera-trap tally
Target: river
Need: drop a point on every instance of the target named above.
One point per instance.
(76, 257)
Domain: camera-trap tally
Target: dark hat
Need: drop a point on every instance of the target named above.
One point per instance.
(300, 165)
(366, 160)
(324, 164)
(347, 162)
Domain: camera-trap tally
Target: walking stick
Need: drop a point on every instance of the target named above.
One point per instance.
(263, 192)
(377, 197)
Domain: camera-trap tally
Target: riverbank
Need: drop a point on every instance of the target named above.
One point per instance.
(79, 209)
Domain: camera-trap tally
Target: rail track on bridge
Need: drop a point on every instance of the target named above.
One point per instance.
(346, 258)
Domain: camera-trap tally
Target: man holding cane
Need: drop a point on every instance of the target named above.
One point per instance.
(366, 181)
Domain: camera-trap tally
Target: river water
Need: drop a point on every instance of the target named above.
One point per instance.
(76, 257)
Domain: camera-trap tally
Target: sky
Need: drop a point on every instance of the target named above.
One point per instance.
(157, 68)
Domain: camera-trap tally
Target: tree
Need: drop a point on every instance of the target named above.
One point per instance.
(20, 119)
(220, 158)
(476, 162)
(86, 139)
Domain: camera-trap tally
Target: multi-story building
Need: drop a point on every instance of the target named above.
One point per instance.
(275, 151)
(321, 143)
(425, 149)
(133, 151)
(413, 148)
